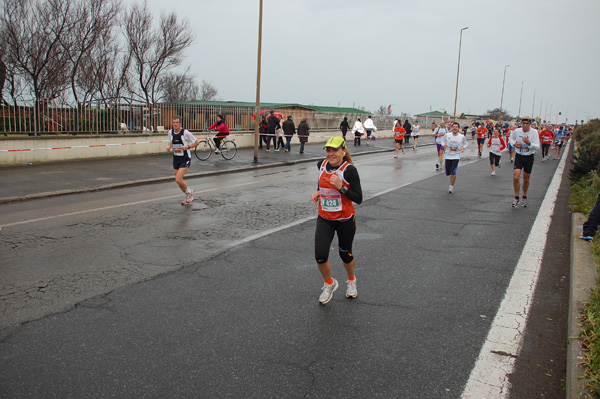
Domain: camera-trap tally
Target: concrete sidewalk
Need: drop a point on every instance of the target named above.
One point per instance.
(20, 183)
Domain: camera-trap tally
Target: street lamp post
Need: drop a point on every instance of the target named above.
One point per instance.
(533, 105)
(503, 80)
(458, 70)
(520, 98)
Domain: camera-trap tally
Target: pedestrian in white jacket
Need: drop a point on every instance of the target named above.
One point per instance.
(358, 130)
(370, 128)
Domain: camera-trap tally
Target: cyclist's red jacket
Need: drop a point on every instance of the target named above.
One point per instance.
(222, 128)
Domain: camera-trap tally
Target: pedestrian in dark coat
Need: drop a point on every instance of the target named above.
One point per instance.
(272, 124)
(262, 130)
(289, 128)
(344, 126)
(408, 127)
(303, 129)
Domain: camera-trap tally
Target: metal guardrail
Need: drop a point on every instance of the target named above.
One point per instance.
(117, 118)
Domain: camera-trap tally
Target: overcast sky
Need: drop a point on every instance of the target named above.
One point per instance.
(404, 53)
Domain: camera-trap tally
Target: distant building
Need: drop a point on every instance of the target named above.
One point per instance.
(427, 118)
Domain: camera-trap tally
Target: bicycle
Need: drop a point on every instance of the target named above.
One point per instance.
(206, 147)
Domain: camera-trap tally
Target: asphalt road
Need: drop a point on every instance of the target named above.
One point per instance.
(220, 299)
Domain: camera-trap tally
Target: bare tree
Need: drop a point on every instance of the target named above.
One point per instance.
(383, 111)
(178, 87)
(2, 76)
(153, 50)
(115, 81)
(208, 91)
(93, 21)
(31, 32)
(498, 115)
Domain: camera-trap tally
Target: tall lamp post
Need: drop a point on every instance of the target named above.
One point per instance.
(458, 70)
(520, 98)
(258, 62)
(533, 105)
(503, 80)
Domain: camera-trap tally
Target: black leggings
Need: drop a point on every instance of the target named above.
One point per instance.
(324, 236)
(218, 140)
(280, 142)
(268, 141)
(545, 149)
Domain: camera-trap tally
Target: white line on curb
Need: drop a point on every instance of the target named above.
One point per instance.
(496, 360)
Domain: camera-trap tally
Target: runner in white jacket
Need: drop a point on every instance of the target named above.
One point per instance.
(454, 144)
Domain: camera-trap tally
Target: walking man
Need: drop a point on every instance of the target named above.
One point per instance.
(369, 127)
(526, 142)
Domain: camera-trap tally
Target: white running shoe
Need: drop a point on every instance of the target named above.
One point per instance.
(451, 189)
(524, 202)
(351, 291)
(217, 151)
(190, 196)
(494, 173)
(515, 202)
(327, 292)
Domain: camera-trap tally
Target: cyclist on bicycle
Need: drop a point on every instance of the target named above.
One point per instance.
(221, 127)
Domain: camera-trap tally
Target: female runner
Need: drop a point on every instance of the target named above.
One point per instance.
(339, 186)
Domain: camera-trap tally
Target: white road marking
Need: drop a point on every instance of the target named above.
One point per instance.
(496, 360)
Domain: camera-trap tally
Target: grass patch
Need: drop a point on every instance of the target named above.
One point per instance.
(584, 193)
(583, 197)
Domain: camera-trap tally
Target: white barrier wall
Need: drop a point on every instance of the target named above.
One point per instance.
(15, 151)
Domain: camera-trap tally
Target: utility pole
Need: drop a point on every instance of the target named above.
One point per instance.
(458, 70)
(502, 97)
(258, 62)
(521, 98)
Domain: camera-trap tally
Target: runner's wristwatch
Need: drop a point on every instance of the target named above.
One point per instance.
(343, 189)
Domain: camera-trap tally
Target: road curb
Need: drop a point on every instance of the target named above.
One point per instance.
(583, 279)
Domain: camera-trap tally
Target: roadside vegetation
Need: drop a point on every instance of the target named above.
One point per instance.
(585, 177)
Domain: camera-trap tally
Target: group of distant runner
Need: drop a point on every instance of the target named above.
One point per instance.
(339, 185)
(522, 139)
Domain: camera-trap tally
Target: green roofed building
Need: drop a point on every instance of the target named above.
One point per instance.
(240, 116)
(427, 118)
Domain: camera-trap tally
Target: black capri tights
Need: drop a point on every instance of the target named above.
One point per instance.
(324, 236)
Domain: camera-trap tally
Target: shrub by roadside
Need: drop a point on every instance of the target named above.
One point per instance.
(587, 155)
